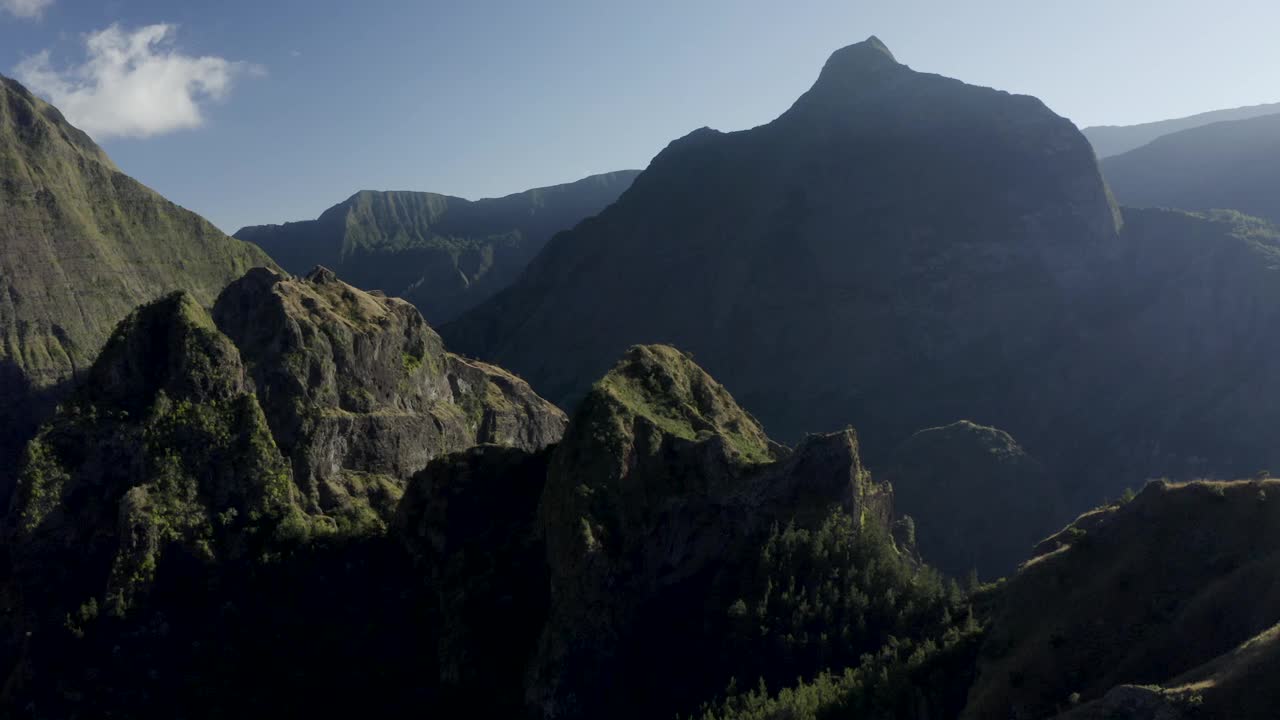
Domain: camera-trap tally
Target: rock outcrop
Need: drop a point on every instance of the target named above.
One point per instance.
(979, 502)
(1177, 589)
(661, 484)
(444, 254)
(360, 392)
(165, 450)
(81, 246)
(208, 459)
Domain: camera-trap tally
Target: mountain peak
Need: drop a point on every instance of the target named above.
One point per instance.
(858, 61)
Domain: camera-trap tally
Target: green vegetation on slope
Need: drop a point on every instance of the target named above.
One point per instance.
(1136, 593)
(444, 254)
(82, 244)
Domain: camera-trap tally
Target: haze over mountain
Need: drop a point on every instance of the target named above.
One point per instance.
(895, 251)
(1109, 140)
(278, 495)
(444, 254)
(899, 251)
(1226, 165)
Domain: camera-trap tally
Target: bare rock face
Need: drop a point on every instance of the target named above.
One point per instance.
(662, 482)
(360, 392)
(209, 459)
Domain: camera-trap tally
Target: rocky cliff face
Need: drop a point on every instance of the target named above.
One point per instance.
(893, 252)
(444, 254)
(360, 392)
(1174, 380)
(979, 501)
(661, 485)
(229, 452)
(1176, 590)
(81, 244)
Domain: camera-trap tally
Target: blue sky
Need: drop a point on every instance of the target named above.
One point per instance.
(299, 103)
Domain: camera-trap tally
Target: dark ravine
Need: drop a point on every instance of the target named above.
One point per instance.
(442, 253)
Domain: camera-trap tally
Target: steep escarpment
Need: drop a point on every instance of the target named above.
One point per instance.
(210, 461)
(1110, 140)
(444, 254)
(1177, 590)
(659, 497)
(896, 251)
(638, 567)
(360, 392)
(82, 244)
(1175, 381)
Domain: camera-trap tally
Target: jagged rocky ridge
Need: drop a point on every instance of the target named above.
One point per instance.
(663, 548)
(216, 449)
(360, 392)
(81, 245)
(444, 254)
(541, 571)
(660, 490)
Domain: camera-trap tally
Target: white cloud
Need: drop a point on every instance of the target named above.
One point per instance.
(25, 8)
(132, 84)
